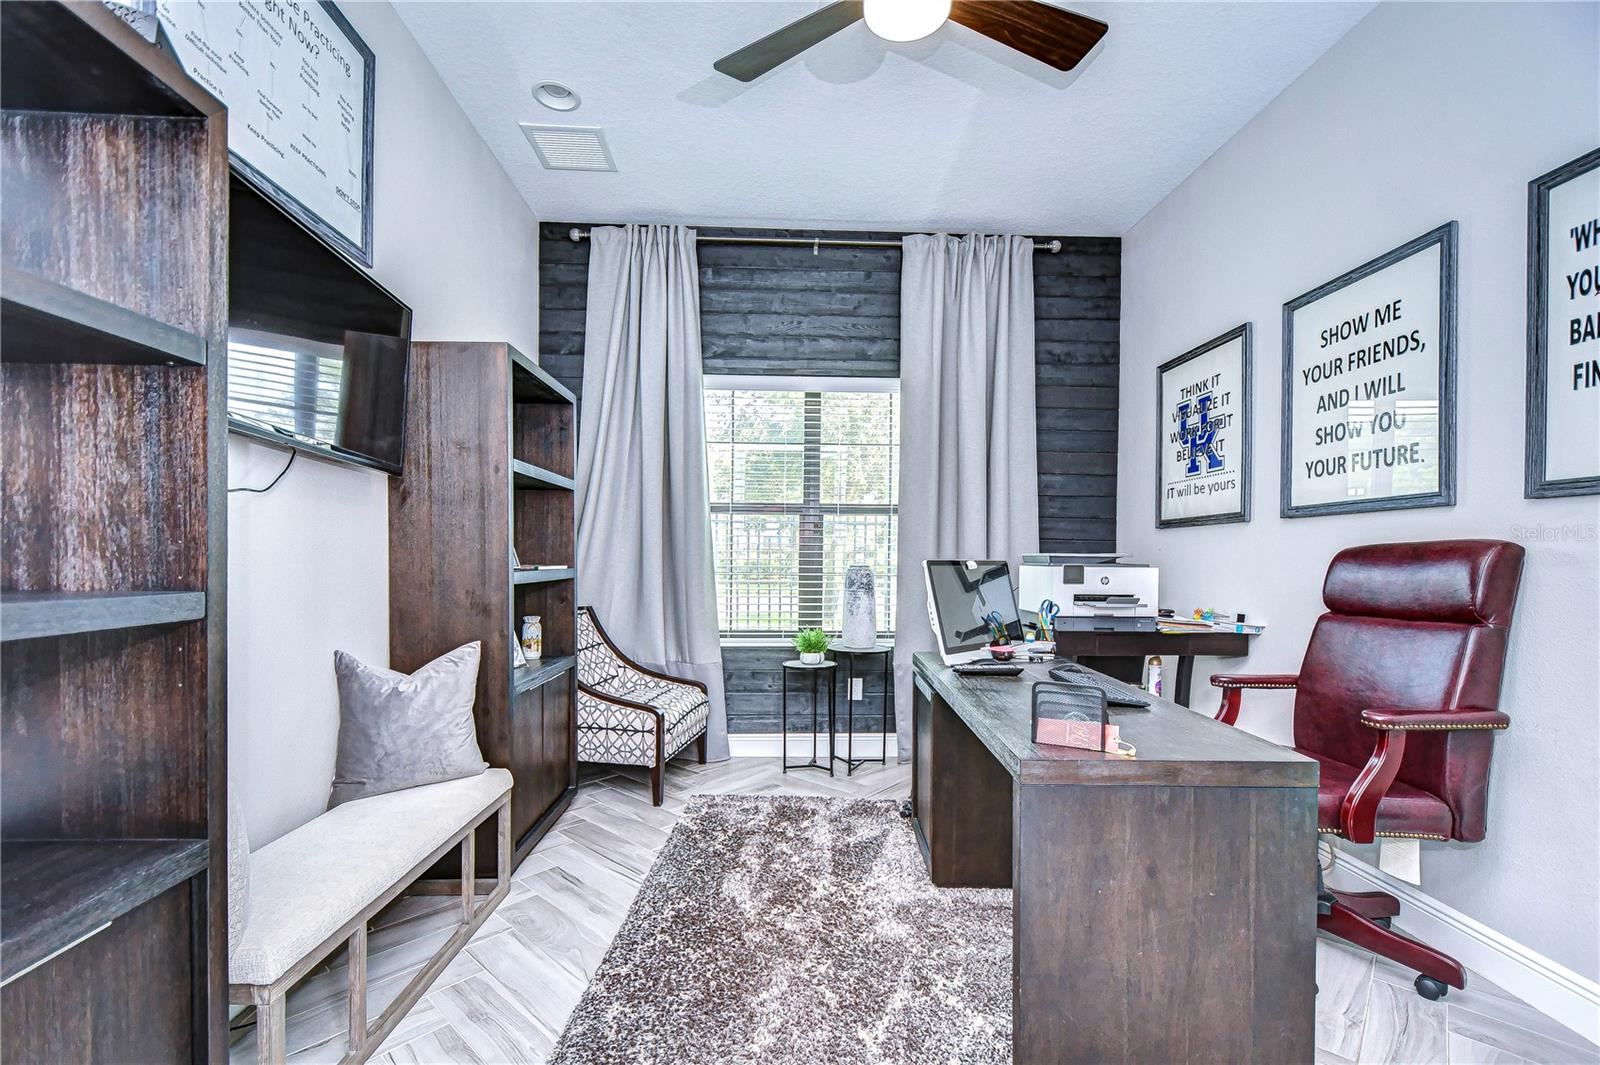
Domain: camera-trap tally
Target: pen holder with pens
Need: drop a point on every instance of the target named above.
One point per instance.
(1075, 715)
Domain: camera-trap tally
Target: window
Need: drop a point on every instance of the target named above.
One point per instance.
(804, 484)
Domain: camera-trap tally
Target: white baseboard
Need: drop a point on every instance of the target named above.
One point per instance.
(769, 744)
(1546, 985)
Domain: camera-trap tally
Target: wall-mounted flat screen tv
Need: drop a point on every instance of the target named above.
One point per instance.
(317, 351)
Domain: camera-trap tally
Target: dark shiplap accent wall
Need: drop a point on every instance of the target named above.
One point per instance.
(784, 310)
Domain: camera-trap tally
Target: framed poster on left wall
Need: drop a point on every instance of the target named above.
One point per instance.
(298, 81)
(1369, 385)
(1563, 439)
(1203, 434)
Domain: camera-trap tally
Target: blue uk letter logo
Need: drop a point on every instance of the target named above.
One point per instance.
(1199, 437)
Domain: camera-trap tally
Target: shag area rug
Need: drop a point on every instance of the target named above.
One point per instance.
(798, 930)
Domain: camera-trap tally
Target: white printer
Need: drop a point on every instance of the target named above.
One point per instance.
(1091, 592)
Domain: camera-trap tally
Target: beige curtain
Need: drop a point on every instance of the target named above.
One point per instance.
(969, 485)
(644, 531)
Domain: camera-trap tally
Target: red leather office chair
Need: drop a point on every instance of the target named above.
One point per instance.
(1398, 699)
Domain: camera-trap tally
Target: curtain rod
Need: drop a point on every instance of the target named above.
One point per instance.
(1051, 246)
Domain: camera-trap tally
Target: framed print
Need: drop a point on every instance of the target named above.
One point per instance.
(1369, 391)
(298, 82)
(1203, 434)
(1563, 449)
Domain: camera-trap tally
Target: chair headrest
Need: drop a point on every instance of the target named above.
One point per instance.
(1468, 582)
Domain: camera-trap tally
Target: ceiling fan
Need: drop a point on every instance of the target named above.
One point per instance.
(1049, 34)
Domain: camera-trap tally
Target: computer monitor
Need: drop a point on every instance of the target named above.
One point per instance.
(962, 595)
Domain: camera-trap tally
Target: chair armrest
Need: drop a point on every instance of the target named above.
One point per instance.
(1358, 811)
(1433, 720)
(1233, 685)
(1257, 680)
(626, 704)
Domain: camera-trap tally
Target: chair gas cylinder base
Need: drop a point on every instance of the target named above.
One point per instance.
(1398, 701)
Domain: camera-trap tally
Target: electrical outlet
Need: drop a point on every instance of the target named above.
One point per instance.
(856, 688)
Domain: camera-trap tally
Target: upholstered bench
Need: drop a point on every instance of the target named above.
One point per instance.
(316, 888)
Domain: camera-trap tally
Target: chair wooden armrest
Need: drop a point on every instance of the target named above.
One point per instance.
(617, 652)
(1358, 810)
(1434, 720)
(1233, 685)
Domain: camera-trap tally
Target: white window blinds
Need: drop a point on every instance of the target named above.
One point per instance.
(803, 485)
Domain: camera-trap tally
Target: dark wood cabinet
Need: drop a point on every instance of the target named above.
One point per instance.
(113, 353)
(487, 484)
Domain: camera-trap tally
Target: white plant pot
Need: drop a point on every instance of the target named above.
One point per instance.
(811, 658)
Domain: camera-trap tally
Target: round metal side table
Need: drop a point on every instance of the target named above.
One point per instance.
(849, 655)
(821, 669)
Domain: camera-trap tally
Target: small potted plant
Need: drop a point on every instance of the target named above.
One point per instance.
(811, 643)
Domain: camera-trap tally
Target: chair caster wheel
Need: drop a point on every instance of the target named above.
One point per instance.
(1431, 989)
(905, 808)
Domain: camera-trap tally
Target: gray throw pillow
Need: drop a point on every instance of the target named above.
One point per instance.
(398, 731)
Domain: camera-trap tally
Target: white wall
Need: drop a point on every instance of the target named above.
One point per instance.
(1423, 113)
(308, 567)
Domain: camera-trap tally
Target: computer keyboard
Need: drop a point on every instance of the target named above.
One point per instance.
(988, 669)
(1115, 696)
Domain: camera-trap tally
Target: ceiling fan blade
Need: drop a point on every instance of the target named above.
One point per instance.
(775, 49)
(1054, 37)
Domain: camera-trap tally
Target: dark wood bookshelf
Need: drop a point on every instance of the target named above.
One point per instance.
(53, 893)
(43, 321)
(113, 525)
(34, 615)
(490, 458)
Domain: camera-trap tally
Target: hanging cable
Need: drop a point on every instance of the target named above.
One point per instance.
(275, 480)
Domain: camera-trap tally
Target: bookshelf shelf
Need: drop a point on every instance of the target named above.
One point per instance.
(541, 576)
(527, 475)
(540, 672)
(34, 615)
(43, 321)
(53, 893)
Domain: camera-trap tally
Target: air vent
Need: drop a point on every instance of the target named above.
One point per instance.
(569, 147)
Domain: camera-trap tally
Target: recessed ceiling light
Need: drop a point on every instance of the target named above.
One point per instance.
(556, 96)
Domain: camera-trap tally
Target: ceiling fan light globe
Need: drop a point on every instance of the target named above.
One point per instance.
(905, 20)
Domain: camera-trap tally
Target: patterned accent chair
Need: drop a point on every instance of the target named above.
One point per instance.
(630, 715)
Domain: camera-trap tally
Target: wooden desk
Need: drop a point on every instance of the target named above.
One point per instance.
(1121, 654)
(1165, 906)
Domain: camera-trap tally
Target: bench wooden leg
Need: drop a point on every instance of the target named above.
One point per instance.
(272, 1029)
(503, 838)
(469, 868)
(358, 986)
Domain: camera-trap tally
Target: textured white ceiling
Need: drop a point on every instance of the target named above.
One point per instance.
(953, 132)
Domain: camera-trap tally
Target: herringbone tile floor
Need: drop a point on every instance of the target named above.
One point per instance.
(506, 997)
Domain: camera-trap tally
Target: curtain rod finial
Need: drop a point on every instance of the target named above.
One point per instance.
(576, 234)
